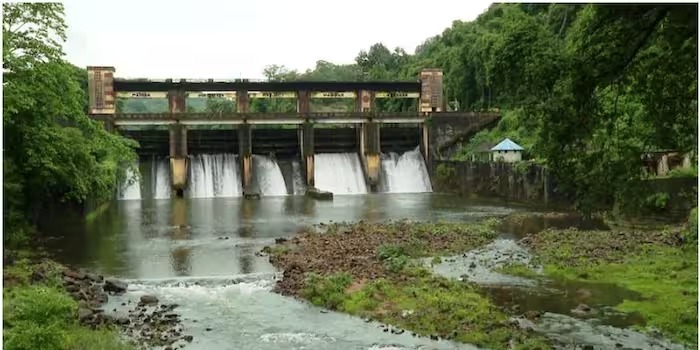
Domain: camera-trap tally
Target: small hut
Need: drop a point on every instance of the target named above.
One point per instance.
(507, 151)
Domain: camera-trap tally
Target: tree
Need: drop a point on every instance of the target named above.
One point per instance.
(53, 151)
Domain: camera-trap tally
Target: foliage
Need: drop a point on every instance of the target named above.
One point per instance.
(517, 269)
(394, 257)
(43, 316)
(684, 172)
(427, 305)
(691, 231)
(651, 262)
(53, 150)
(326, 291)
(445, 175)
(657, 200)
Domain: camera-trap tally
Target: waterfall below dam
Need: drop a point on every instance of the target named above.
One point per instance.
(404, 173)
(267, 177)
(218, 175)
(130, 188)
(340, 173)
(160, 179)
(214, 175)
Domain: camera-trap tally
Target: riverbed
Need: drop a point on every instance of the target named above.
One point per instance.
(204, 255)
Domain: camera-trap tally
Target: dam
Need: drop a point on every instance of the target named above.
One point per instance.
(232, 153)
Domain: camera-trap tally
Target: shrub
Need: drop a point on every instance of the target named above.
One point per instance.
(395, 257)
(326, 291)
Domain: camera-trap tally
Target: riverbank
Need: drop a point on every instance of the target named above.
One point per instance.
(40, 314)
(368, 270)
(371, 271)
(50, 306)
(661, 265)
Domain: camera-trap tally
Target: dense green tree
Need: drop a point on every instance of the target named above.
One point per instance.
(52, 150)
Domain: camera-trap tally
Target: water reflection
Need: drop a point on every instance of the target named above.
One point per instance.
(220, 236)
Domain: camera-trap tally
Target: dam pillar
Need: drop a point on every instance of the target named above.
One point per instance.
(245, 144)
(245, 153)
(369, 140)
(101, 95)
(370, 153)
(306, 139)
(178, 143)
(307, 152)
(431, 100)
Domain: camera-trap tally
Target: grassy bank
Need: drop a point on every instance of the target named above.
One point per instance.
(368, 270)
(659, 264)
(39, 314)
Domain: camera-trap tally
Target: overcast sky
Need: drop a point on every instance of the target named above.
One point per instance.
(232, 39)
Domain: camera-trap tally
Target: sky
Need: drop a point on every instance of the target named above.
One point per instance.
(236, 39)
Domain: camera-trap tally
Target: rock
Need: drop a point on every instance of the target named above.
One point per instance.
(84, 314)
(324, 311)
(94, 277)
(588, 347)
(280, 240)
(582, 310)
(114, 286)
(472, 265)
(38, 276)
(122, 320)
(73, 274)
(149, 299)
(207, 329)
(101, 298)
(188, 338)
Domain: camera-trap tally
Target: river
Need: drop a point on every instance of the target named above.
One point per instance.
(201, 254)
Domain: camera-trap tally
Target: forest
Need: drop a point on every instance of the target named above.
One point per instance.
(587, 89)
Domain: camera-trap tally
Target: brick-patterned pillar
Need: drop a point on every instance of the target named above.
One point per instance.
(369, 140)
(245, 153)
(308, 152)
(431, 98)
(178, 143)
(306, 139)
(101, 94)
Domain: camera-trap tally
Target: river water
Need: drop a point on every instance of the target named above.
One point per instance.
(201, 254)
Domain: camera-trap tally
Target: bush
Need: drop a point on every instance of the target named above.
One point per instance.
(445, 174)
(29, 335)
(326, 291)
(691, 232)
(395, 257)
(41, 305)
(36, 318)
(657, 201)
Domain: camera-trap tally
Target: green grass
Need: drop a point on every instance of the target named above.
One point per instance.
(41, 315)
(666, 275)
(440, 306)
(517, 269)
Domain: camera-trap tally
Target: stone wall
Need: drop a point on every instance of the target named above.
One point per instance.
(520, 182)
(530, 183)
(448, 130)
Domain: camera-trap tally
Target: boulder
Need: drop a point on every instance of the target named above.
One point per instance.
(84, 314)
(74, 274)
(149, 299)
(114, 286)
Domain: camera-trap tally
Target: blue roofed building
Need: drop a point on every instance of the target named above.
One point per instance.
(507, 151)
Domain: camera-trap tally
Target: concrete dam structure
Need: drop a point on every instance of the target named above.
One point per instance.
(246, 153)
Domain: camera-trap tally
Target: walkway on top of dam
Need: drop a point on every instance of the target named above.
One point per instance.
(186, 118)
